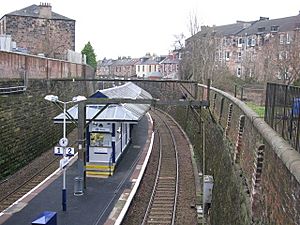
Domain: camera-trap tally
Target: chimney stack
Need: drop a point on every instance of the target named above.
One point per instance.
(45, 10)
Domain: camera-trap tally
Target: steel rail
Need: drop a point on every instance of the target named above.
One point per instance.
(158, 174)
(156, 180)
(14, 192)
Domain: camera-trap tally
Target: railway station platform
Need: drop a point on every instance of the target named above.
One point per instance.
(103, 199)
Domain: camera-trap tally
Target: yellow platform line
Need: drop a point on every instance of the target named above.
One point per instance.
(99, 167)
(99, 173)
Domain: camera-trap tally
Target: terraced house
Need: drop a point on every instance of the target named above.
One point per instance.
(149, 67)
(38, 30)
(263, 49)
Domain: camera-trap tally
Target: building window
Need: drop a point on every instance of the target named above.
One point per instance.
(281, 38)
(274, 28)
(143, 68)
(261, 29)
(238, 72)
(282, 55)
(100, 140)
(288, 40)
(249, 41)
(149, 68)
(240, 42)
(239, 56)
(227, 56)
(219, 56)
(138, 68)
(250, 72)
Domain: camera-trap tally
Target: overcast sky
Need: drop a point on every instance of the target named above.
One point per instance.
(134, 27)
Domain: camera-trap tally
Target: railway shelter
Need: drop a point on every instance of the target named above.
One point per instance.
(108, 127)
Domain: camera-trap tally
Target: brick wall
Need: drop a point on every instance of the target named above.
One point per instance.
(15, 66)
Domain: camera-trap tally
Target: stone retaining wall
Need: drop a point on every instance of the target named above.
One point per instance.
(26, 126)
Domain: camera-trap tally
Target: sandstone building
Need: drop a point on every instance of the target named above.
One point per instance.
(263, 49)
(38, 30)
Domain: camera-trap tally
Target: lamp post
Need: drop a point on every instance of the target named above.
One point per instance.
(64, 141)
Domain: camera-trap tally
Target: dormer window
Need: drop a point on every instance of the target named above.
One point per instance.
(274, 28)
(261, 29)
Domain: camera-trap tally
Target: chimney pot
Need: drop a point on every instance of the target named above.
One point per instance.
(45, 10)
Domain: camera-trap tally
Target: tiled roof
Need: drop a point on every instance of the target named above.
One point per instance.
(33, 11)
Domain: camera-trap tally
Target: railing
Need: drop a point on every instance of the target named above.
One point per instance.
(283, 111)
(10, 90)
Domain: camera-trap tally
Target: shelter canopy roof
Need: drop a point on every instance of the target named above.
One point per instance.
(115, 112)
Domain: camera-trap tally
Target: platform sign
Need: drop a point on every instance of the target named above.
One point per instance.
(60, 151)
(63, 162)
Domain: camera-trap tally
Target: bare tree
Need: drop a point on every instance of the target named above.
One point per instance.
(194, 26)
(199, 61)
(179, 41)
(280, 57)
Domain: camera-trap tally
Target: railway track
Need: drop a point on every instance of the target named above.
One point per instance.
(29, 184)
(163, 202)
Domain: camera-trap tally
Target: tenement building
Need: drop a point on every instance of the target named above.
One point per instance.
(38, 30)
(264, 49)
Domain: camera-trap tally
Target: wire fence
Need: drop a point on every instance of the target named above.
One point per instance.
(283, 111)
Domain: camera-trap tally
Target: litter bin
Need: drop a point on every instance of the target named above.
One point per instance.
(46, 217)
(78, 186)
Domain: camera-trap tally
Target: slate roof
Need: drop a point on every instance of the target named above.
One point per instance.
(170, 61)
(33, 11)
(284, 24)
(242, 28)
(125, 62)
(150, 61)
(231, 29)
(107, 62)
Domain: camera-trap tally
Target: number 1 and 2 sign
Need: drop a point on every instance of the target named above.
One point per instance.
(60, 150)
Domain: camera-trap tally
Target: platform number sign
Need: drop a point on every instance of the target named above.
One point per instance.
(60, 151)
